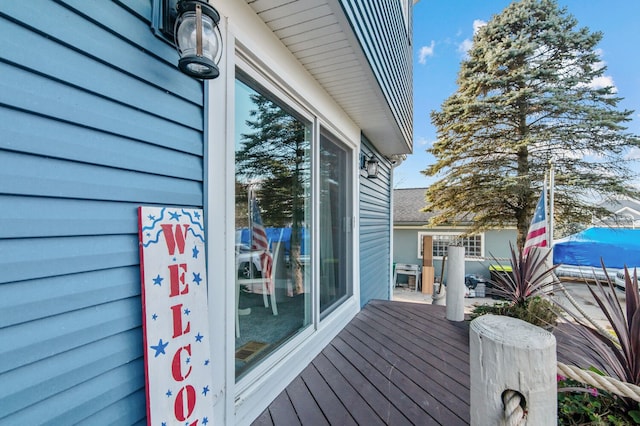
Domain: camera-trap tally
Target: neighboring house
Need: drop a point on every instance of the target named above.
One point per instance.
(625, 214)
(410, 224)
(97, 120)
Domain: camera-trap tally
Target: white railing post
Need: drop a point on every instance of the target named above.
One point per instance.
(512, 360)
(455, 283)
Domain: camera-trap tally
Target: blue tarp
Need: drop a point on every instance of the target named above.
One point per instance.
(275, 234)
(616, 246)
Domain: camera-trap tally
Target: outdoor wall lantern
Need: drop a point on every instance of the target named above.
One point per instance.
(197, 36)
(371, 166)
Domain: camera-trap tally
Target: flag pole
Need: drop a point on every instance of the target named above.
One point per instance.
(545, 194)
(250, 214)
(552, 178)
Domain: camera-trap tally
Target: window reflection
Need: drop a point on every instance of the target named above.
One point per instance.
(272, 210)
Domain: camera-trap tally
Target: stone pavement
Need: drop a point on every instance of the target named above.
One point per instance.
(577, 290)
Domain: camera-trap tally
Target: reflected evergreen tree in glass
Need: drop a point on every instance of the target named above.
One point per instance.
(273, 161)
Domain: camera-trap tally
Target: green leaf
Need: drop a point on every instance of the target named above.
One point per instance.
(595, 370)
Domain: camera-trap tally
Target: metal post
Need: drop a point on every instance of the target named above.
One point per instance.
(552, 183)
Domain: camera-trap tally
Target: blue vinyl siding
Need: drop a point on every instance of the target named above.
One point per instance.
(95, 120)
(375, 231)
(385, 40)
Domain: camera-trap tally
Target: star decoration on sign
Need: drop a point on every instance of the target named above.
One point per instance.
(197, 215)
(195, 252)
(206, 362)
(187, 311)
(154, 317)
(159, 348)
(175, 216)
(205, 390)
(199, 337)
(158, 280)
(169, 393)
(196, 278)
(205, 420)
(151, 217)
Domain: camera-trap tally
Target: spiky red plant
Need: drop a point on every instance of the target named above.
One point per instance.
(620, 357)
(530, 276)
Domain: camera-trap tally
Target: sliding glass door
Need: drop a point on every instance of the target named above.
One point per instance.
(274, 284)
(336, 223)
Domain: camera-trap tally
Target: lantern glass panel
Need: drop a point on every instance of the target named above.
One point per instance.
(186, 37)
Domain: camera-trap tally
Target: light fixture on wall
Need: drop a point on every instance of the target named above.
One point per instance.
(196, 34)
(396, 159)
(372, 167)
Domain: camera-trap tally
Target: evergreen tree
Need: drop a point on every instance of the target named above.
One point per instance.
(274, 158)
(526, 96)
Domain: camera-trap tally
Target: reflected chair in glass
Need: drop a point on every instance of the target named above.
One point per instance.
(268, 286)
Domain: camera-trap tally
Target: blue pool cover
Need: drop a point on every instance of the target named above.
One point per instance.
(616, 246)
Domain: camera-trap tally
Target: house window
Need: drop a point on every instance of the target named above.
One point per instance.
(473, 244)
(272, 223)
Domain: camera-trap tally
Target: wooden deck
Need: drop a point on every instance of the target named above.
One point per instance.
(395, 363)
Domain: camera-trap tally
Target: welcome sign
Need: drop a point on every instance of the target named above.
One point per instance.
(175, 320)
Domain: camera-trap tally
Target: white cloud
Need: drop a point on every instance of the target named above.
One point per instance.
(422, 141)
(464, 47)
(477, 24)
(603, 81)
(633, 154)
(466, 44)
(426, 51)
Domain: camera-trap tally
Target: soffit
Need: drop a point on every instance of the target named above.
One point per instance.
(318, 34)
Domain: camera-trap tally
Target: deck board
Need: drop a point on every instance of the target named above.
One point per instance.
(364, 378)
(420, 371)
(352, 398)
(403, 391)
(282, 411)
(427, 325)
(304, 403)
(394, 363)
(433, 352)
(334, 410)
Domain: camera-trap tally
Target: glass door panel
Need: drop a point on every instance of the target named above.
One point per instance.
(335, 224)
(273, 179)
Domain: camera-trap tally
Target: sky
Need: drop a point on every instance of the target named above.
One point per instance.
(443, 30)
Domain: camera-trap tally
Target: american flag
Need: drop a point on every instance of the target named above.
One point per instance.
(537, 235)
(259, 241)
